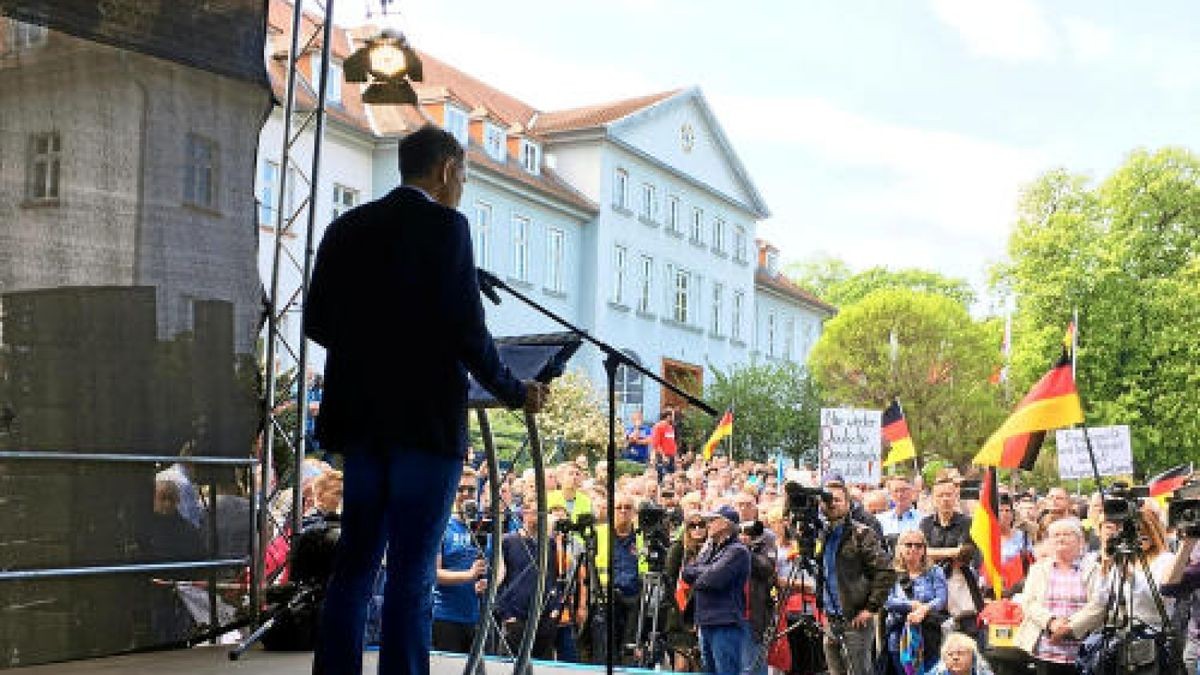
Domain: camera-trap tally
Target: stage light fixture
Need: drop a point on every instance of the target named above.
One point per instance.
(390, 65)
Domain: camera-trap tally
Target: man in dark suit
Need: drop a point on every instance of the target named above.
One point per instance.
(395, 302)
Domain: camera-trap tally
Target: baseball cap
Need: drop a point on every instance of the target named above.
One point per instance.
(834, 478)
(726, 511)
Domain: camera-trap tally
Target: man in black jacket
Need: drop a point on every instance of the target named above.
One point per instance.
(856, 576)
(394, 300)
(718, 579)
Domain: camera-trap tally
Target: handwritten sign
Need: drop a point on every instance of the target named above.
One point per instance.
(1114, 453)
(851, 444)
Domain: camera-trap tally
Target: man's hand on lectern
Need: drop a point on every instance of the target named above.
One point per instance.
(536, 394)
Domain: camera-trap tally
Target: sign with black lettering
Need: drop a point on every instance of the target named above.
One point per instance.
(851, 444)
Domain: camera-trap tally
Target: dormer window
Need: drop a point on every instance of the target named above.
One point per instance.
(456, 123)
(493, 141)
(531, 157)
(773, 262)
(333, 90)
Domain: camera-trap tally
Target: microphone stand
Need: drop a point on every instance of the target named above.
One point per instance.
(613, 359)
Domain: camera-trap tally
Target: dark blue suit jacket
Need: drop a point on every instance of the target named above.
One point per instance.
(394, 299)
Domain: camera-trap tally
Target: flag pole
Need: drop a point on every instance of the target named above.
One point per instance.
(1074, 339)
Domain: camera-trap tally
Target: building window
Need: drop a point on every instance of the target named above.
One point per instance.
(554, 259)
(735, 321)
(620, 259)
(333, 90)
(521, 248)
(645, 277)
(697, 226)
(45, 167)
(770, 335)
(531, 157)
(493, 141)
(739, 243)
(772, 262)
(344, 199)
(673, 215)
(621, 189)
(628, 387)
(26, 35)
(289, 191)
(200, 180)
(266, 191)
(719, 235)
(682, 296)
(717, 303)
(789, 333)
(456, 123)
(649, 202)
(481, 235)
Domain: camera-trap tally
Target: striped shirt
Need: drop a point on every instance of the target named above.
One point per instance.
(1066, 594)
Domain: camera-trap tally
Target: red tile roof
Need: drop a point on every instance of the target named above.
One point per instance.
(785, 286)
(592, 116)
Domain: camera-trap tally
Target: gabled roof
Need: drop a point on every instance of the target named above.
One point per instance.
(592, 116)
(784, 286)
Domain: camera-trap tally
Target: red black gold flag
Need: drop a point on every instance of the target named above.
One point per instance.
(985, 529)
(723, 430)
(895, 431)
(1170, 480)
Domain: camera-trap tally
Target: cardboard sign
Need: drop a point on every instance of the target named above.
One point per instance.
(1114, 453)
(850, 444)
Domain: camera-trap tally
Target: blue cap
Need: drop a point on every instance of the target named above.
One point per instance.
(726, 511)
(834, 477)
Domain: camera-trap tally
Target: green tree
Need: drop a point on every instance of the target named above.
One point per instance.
(775, 407)
(941, 371)
(1126, 253)
(832, 281)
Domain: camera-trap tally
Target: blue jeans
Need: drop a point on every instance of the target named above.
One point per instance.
(721, 648)
(398, 499)
(754, 657)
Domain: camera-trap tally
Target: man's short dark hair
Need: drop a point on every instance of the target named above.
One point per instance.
(424, 149)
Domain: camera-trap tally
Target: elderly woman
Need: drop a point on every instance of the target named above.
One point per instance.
(1063, 601)
(913, 608)
(960, 656)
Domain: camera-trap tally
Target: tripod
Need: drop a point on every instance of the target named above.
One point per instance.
(649, 602)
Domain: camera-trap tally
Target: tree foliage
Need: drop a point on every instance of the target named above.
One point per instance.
(943, 363)
(1125, 253)
(775, 407)
(832, 280)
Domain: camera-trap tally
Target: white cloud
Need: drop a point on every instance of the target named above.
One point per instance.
(1088, 41)
(1010, 30)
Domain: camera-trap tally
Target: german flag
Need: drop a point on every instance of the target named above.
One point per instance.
(723, 430)
(1051, 404)
(895, 431)
(1170, 480)
(985, 529)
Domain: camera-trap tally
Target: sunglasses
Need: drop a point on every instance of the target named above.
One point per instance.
(623, 507)
(698, 525)
(469, 489)
(913, 544)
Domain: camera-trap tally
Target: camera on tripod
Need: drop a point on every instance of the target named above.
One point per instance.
(1122, 503)
(1183, 511)
(653, 526)
(583, 524)
(803, 509)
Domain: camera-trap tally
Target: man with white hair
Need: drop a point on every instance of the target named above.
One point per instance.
(718, 579)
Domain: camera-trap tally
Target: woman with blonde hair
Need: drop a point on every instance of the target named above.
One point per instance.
(960, 656)
(915, 608)
(682, 639)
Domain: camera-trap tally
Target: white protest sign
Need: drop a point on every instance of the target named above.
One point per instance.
(850, 444)
(1114, 454)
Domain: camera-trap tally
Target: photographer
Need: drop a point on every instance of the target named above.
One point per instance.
(460, 576)
(718, 578)
(571, 592)
(1147, 534)
(856, 576)
(762, 581)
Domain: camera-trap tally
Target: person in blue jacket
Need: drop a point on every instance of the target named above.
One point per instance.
(718, 579)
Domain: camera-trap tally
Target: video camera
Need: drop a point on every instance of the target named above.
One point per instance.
(477, 521)
(653, 524)
(803, 509)
(1183, 511)
(583, 524)
(752, 528)
(1122, 504)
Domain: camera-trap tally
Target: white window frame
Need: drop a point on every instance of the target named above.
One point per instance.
(482, 234)
(789, 338)
(649, 202)
(735, 322)
(456, 123)
(520, 242)
(620, 263)
(719, 235)
(645, 283)
(531, 157)
(340, 202)
(621, 189)
(770, 333)
(739, 243)
(268, 179)
(495, 142)
(717, 307)
(201, 172)
(681, 295)
(697, 232)
(43, 180)
(673, 214)
(556, 244)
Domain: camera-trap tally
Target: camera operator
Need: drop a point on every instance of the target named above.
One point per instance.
(1151, 543)
(760, 542)
(682, 640)
(571, 594)
(718, 578)
(856, 576)
(627, 575)
(948, 534)
(460, 576)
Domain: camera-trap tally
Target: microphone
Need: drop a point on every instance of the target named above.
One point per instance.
(487, 285)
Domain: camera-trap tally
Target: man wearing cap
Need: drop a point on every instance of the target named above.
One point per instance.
(856, 576)
(718, 579)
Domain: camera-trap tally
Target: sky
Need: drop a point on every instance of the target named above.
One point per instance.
(880, 132)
